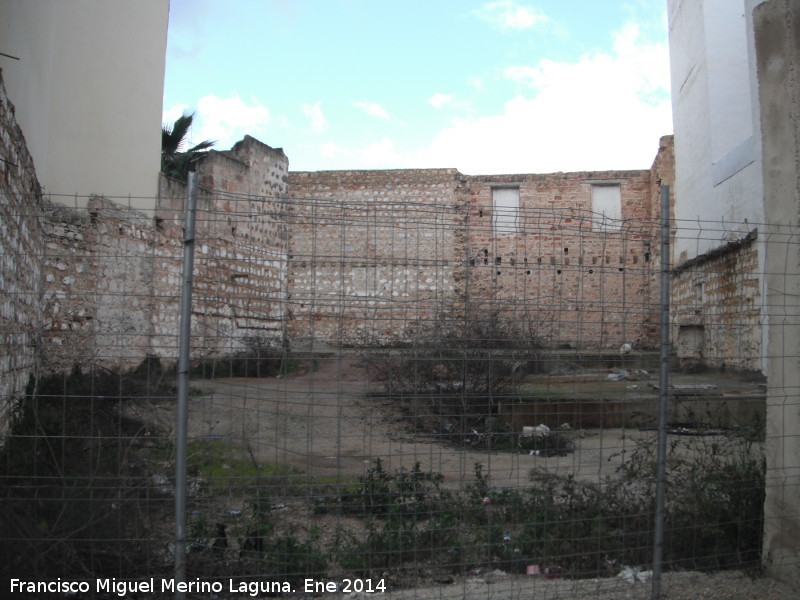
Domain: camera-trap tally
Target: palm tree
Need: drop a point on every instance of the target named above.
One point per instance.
(174, 162)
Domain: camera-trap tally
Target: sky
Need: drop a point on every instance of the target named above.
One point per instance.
(483, 86)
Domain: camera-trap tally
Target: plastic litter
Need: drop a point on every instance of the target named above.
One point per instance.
(540, 431)
(533, 570)
(634, 575)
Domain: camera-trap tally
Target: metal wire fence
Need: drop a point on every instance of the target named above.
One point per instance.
(385, 399)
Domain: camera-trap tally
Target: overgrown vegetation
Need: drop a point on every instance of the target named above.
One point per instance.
(260, 357)
(458, 368)
(87, 492)
(75, 482)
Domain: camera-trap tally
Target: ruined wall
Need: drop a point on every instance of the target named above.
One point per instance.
(241, 247)
(98, 294)
(113, 275)
(580, 285)
(716, 307)
(372, 253)
(21, 238)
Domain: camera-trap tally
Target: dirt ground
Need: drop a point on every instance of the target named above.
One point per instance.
(326, 423)
(674, 586)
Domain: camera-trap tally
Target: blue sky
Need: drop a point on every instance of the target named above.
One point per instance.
(485, 86)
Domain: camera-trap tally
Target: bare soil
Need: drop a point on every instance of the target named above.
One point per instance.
(327, 423)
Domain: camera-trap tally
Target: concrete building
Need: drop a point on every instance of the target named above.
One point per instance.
(736, 287)
(87, 81)
(777, 43)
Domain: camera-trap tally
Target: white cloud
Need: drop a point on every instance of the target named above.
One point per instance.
(604, 111)
(171, 114)
(225, 120)
(439, 100)
(382, 154)
(477, 83)
(449, 101)
(373, 109)
(509, 14)
(314, 113)
(333, 150)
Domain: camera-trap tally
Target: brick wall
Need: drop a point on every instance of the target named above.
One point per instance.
(21, 240)
(583, 286)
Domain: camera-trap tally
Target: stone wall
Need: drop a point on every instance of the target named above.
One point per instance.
(372, 253)
(21, 240)
(376, 254)
(241, 247)
(100, 296)
(344, 257)
(113, 275)
(716, 307)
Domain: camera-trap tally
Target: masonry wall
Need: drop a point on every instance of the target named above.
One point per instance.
(98, 294)
(376, 254)
(21, 240)
(373, 254)
(716, 307)
(113, 275)
(241, 252)
(582, 287)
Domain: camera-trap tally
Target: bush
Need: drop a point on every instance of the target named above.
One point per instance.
(76, 476)
(456, 370)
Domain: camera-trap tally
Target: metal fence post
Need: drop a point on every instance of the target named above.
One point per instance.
(183, 384)
(663, 397)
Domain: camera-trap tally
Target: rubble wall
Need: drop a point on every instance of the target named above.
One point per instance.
(21, 240)
(716, 307)
(113, 275)
(372, 253)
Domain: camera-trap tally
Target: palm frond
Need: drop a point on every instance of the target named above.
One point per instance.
(174, 162)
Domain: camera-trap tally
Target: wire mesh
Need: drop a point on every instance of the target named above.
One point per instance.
(388, 397)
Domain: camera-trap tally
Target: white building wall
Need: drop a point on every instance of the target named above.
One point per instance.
(716, 118)
(88, 89)
(715, 115)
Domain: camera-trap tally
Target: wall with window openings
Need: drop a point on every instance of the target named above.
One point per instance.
(343, 257)
(572, 258)
(573, 273)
